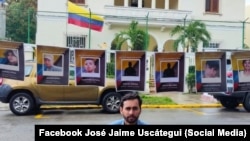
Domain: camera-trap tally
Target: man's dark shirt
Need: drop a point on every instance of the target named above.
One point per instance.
(130, 71)
(168, 73)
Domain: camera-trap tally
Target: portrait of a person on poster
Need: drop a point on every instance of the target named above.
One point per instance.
(170, 71)
(11, 57)
(244, 70)
(90, 67)
(10, 60)
(211, 71)
(131, 69)
(49, 67)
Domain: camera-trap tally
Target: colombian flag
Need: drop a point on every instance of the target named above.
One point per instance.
(83, 18)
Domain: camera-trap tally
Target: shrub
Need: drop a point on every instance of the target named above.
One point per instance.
(190, 79)
(110, 70)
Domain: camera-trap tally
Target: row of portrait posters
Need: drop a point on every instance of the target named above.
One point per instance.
(89, 68)
(53, 66)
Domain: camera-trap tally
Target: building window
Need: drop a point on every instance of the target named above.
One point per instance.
(134, 3)
(212, 6)
(213, 46)
(78, 1)
(75, 41)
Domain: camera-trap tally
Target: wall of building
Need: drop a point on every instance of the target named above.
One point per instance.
(52, 30)
(2, 22)
(247, 31)
(229, 10)
(52, 26)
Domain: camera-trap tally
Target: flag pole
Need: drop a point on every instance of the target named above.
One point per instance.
(89, 27)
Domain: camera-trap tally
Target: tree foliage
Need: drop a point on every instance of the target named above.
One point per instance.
(190, 79)
(21, 20)
(191, 35)
(136, 38)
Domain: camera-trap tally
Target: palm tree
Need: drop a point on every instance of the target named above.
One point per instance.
(135, 37)
(191, 35)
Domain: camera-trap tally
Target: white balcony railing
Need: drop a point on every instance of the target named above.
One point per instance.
(117, 14)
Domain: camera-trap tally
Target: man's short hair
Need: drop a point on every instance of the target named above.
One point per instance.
(49, 56)
(92, 59)
(131, 96)
(213, 64)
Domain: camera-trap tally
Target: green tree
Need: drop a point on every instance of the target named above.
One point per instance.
(191, 35)
(190, 79)
(136, 38)
(21, 21)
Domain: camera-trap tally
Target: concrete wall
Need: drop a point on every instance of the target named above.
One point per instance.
(247, 30)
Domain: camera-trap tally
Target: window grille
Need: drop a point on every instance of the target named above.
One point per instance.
(75, 41)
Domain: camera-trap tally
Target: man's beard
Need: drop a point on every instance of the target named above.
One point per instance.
(131, 119)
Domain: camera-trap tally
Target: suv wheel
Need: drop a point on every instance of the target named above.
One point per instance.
(229, 103)
(21, 104)
(246, 103)
(111, 102)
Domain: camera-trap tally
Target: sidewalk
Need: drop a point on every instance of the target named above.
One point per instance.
(187, 100)
(181, 100)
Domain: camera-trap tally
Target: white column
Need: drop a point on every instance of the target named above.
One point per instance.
(153, 4)
(160, 47)
(139, 3)
(125, 3)
(166, 4)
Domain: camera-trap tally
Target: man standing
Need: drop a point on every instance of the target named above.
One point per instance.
(130, 109)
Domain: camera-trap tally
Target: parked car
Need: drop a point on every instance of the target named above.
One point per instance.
(231, 99)
(26, 97)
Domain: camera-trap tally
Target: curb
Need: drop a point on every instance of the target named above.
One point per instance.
(143, 106)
